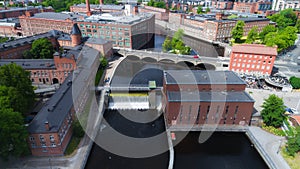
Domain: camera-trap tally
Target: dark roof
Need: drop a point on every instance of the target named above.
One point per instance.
(98, 41)
(55, 16)
(195, 96)
(251, 19)
(23, 41)
(201, 77)
(29, 64)
(55, 110)
(75, 30)
(65, 37)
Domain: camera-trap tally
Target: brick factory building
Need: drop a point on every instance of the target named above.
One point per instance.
(252, 6)
(15, 49)
(16, 12)
(208, 26)
(213, 97)
(160, 13)
(133, 30)
(51, 129)
(81, 8)
(252, 58)
(250, 22)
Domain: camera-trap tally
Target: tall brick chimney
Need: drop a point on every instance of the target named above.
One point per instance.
(88, 8)
(135, 10)
(47, 125)
(101, 2)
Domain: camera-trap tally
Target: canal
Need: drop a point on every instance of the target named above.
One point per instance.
(222, 150)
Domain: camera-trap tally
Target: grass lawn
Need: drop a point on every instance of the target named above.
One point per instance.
(273, 130)
(72, 145)
(294, 162)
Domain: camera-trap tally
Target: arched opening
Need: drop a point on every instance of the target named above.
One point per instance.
(19, 34)
(148, 59)
(133, 57)
(186, 63)
(205, 66)
(54, 81)
(166, 61)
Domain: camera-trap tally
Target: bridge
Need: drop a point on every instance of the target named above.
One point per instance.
(208, 63)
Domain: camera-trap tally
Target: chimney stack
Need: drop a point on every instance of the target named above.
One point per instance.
(135, 10)
(47, 125)
(219, 16)
(88, 9)
(101, 2)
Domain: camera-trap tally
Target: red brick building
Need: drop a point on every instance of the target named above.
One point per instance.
(250, 22)
(81, 8)
(206, 97)
(295, 119)
(255, 6)
(51, 129)
(15, 49)
(252, 58)
(16, 12)
(160, 13)
(223, 4)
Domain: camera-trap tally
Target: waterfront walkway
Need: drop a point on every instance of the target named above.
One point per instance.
(268, 145)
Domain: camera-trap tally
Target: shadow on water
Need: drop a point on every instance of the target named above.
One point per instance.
(221, 150)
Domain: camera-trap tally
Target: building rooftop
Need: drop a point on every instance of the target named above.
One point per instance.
(55, 110)
(251, 19)
(56, 16)
(255, 49)
(201, 77)
(75, 30)
(98, 41)
(297, 118)
(208, 96)
(107, 7)
(29, 64)
(27, 40)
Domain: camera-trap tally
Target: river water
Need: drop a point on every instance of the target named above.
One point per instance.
(222, 150)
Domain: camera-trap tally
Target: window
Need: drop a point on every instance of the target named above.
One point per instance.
(51, 137)
(88, 26)
(120, 43)
(100, 27)
(93, 26)
(33, 145)
(127, 44)
(89, 30)
(31, 138)
(43, 144)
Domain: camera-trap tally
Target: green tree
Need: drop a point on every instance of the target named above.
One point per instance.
(160, 4)
(267, 29)
(297, 26)
(151, 3)
(199, 9)
(13, 134)
(237, 31)
(207, 10)
(252, 35)
(15, 76)
(103, 62)
(77, 129)
(167, 45)
(295, 82)
(232, 16)
(284, 18)
(293, 144)
(272, 112)
(27, 54)
(11, 98)
(42, 49)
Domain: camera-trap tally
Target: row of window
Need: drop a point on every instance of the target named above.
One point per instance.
(251, 56)
(251, 61)
(103, 27)
(252, 66)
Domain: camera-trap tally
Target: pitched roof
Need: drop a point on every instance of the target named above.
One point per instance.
(255, 49)
(297, 118)
(75, 30)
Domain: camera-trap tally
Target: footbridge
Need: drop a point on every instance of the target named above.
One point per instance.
(208, 63)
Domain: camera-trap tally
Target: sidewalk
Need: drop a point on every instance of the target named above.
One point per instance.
(271, 145)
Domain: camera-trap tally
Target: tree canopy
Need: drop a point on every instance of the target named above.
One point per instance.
(13, 134)
(238, 31)
(252, 35)
(293, 144)
(232, 16)
(284, 18)
(158, 4)
(176, 45)
(267, 29)
(272, 112)
(42, 49)
(295, 82)
(200, 10)
(16, 87)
